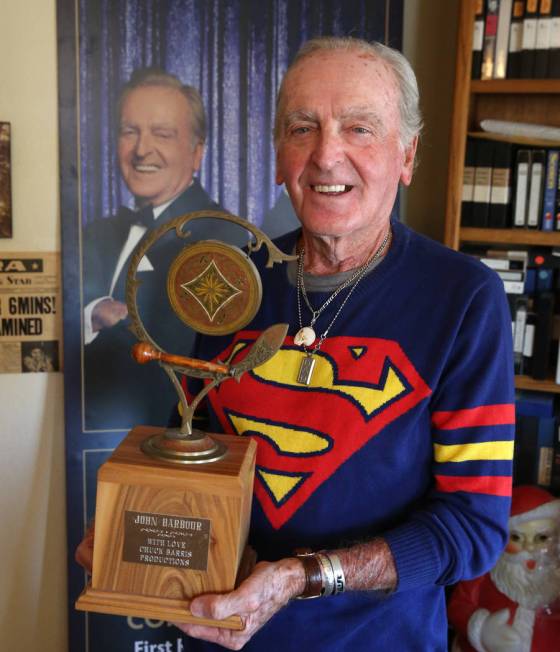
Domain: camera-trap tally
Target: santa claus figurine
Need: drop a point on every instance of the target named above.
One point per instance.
(516, 606)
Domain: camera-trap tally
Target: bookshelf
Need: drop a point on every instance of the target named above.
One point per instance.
(521, 100)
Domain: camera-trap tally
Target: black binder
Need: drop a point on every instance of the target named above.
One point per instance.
(468, 183)
(482, 182)
(544, 310)
(529, 39)
(543, 39)
(554, 51)
(500, 197)
(516, 40)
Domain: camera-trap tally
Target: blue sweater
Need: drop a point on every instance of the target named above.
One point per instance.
(406, 431)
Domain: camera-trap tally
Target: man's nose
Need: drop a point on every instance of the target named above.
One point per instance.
(329, 149)
(143, 144)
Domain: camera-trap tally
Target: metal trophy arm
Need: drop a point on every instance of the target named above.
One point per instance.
(178, 224)
(185, 445)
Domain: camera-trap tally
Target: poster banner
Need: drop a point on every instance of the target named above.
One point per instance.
(30, 312)
(124, 66)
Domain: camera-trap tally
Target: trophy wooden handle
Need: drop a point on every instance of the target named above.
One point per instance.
(143, 352)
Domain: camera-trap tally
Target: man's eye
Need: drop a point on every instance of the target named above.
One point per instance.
(542, 538)
(361, 130)
(126, 131)
(298, 131)
(515, 537)
(164, 134)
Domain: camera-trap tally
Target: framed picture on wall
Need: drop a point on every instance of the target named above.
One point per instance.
(6, 229)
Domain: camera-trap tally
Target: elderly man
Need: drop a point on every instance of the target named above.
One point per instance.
(385, 422)
(162, 131)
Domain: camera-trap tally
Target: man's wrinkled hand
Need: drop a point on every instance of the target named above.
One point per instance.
(107, 313)
(269, 587)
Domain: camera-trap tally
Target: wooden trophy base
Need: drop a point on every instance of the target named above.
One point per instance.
(166, 532)
(123, 604)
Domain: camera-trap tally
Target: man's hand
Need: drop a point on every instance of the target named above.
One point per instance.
(269, 587)
(107, 313)
(84, 552)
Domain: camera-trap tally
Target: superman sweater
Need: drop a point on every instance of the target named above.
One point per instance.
(405, 431)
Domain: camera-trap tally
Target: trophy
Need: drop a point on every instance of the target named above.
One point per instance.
(173, 505)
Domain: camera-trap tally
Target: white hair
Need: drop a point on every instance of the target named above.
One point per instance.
(409, 108)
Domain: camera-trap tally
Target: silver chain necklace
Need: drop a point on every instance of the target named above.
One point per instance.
(306, 335)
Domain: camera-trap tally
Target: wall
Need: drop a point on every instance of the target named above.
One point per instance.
(32, 503)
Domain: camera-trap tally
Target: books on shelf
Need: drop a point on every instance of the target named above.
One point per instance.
(537, 440)
(531, 280)
(516, 39)
(507, 185)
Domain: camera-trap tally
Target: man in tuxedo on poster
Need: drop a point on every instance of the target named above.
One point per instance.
(161, 140)
(385, 422)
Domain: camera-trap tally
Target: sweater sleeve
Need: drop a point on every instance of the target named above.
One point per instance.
(460, 529)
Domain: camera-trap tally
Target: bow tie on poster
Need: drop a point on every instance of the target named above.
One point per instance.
(145, 216)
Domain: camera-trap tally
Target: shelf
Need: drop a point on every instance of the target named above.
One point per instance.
(510, 236)
(526, 382)
(516, 140)
(512, 86)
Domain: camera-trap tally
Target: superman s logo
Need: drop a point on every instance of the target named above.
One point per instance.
(305, 433)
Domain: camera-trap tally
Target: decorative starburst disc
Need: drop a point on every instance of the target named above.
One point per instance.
(214, 287)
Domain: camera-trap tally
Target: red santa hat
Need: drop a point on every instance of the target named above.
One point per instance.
(529, 503)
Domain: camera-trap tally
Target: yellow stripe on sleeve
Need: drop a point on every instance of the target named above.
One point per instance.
(491, 450)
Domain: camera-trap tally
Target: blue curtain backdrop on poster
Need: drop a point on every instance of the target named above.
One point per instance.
(235, 52)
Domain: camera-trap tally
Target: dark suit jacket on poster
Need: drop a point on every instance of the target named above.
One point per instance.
(120, 393)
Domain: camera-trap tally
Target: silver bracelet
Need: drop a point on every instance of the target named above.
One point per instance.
(338, 573)
(326, 573)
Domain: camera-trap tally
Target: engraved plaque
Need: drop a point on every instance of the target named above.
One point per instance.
(166, 540)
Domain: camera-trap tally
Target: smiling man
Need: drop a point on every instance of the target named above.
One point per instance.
(161, 137)
(384, 424)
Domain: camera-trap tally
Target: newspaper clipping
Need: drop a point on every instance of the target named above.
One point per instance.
(30, 312)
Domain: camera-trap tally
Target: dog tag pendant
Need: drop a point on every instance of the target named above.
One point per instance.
(306, 370)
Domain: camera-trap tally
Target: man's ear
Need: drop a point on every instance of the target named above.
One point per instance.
(197, 156)
(408, 163)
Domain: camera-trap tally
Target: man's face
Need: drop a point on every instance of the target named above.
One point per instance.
(339, 151)
(37, 354)
(157, 155)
